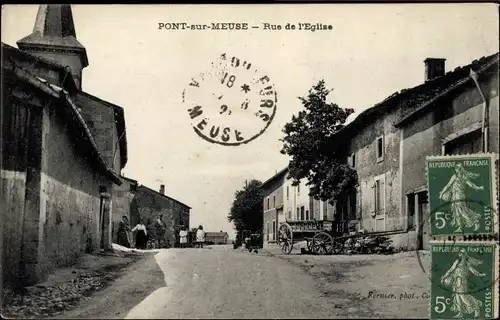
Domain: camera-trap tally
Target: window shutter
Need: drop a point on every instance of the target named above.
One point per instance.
(382, 196)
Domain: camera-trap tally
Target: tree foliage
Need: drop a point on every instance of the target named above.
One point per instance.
(246, 210)
(311, 143)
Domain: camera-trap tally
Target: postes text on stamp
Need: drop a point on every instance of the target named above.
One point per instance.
(462, 195)
(232, 103)
(464, 280)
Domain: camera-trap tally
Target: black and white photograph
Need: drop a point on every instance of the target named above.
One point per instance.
(248, 161)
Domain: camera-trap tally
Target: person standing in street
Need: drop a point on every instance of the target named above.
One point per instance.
(183, 237)
(160, 227)
(141, 237)
(123, 232)
(200, 236)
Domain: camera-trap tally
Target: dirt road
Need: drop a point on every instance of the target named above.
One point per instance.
(222, 283)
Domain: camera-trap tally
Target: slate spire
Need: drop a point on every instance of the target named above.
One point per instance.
(54, 38)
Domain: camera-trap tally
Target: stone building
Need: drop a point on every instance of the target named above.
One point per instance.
(273, 205)
(60, 160)
(284, 202)
(122, 198)
(450, 123)
(387, 145)
(148, 204)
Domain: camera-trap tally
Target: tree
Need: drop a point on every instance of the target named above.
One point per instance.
(246, 210)
(310, 140)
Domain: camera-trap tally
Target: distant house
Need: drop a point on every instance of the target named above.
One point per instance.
(285, 202)
(216, 237)
(148, 204)
(388, 143)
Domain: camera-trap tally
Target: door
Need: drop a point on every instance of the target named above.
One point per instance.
(423, 215)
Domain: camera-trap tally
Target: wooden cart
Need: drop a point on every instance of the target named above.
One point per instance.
(319, 238)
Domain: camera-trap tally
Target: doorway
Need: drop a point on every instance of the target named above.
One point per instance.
(423, 218)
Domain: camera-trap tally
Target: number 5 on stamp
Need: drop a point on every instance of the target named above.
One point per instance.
(464, 284)
(462, 195)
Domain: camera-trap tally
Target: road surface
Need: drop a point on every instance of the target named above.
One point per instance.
(219, 282)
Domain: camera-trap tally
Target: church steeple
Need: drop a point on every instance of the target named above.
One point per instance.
(54, 38)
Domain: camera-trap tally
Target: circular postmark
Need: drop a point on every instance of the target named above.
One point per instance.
(463, 263)
(232, 103)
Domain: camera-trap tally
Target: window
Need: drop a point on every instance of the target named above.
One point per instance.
(302, 213)
(289, 214)
(353, 160)
(267, 233)
(298, 188)
(307, 214)
(465, 144)
(287, 192)
(267, 203)
(380, 148)
(298, 213)
(274, 201)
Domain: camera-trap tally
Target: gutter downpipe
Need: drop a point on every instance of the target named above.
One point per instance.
(484, 120)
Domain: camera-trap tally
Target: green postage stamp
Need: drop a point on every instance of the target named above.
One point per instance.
(462, 195)
(464, 280)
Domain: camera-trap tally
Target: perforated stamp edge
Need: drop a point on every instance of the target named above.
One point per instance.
(494, 196)
(496, 270)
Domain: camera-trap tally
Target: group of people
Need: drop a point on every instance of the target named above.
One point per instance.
(155, 233)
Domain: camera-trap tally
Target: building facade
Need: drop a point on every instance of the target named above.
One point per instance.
(148, 204)
(122, 198)
(58, 183)
(284, 202)
(451, 123)
(388, 143)
(273, 208)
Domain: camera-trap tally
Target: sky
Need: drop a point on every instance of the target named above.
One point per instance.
(371, 52)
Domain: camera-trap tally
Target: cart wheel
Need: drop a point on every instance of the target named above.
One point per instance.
(285, 238)
(322, 243)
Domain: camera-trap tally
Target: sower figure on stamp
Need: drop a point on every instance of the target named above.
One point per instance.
(455, 193)
(457, 277)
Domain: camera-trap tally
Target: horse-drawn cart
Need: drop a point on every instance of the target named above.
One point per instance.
(319, 239)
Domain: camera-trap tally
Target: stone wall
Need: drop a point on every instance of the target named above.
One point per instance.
(364, 146)
(69, 196)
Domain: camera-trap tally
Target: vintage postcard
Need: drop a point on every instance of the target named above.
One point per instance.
(235, 161)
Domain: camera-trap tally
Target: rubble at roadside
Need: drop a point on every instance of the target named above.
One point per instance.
(66, 287)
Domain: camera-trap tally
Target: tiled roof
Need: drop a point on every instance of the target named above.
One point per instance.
(282, 172)
(162, 195)
(412, 98)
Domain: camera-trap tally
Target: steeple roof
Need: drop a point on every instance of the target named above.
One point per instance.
(54, 28)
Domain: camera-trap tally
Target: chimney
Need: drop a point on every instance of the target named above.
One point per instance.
(162, 189)
(434, 67)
